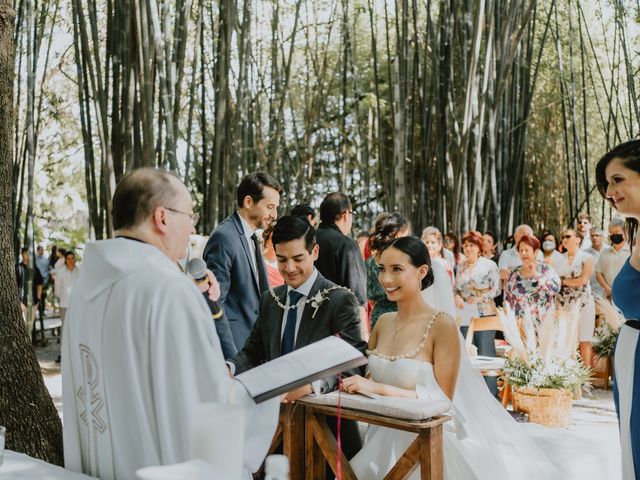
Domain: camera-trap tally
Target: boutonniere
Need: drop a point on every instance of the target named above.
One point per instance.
(317, 301)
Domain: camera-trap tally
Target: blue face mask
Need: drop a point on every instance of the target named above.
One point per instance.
(548, 245)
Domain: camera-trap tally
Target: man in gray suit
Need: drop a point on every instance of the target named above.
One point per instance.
(306, 309)
(233, 255)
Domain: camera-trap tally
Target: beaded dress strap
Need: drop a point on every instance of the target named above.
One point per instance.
(412, 354)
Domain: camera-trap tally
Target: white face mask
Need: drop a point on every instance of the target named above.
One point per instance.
(548, 245)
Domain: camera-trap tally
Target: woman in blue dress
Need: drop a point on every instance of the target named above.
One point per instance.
(618, 180)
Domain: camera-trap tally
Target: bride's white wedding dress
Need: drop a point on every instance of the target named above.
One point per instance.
(483, 441)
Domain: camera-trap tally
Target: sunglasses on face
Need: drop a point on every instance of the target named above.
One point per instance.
(566, 236)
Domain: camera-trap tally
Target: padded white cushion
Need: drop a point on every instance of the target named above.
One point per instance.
(394, 407)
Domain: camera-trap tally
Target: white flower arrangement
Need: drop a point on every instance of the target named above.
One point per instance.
(544, 356)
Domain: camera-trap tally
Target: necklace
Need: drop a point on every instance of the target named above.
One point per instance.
(315, 301)
(413, 353)
(397, 329)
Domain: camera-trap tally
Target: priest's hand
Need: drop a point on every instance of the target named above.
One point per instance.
(358, 384)
(299, 392)
(214, 286)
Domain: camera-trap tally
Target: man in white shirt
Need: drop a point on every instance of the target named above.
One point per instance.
(139, 351)
(509, 259)
(597, 246)
(66, 277)
(612, 258)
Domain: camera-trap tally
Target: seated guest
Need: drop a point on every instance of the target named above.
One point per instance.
(306, 309)
(387, 228)
(532, 286)
(273, 274)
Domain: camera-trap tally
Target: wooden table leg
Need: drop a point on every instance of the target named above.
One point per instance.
(293, 438)
(315, 463)
(431, 454)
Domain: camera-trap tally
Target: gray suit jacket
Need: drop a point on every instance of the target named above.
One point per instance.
(339, 315)
(228, 256)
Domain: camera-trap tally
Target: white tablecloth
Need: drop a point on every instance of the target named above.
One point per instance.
(487, 363)
(18, 466)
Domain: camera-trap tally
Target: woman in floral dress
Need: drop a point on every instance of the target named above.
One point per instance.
(533, 286)
(477, 284)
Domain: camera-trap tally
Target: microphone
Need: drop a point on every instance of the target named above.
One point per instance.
(197, 269)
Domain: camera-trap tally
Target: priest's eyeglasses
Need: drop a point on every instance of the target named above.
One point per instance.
(193, 216)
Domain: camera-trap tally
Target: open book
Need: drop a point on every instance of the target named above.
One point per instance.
(321, 359)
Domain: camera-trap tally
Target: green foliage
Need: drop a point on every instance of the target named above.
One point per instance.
(569, 374)
(604, 341)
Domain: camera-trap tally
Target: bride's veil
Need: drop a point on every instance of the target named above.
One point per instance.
(510, 451)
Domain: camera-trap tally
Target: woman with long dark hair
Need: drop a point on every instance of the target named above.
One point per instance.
(618, 180)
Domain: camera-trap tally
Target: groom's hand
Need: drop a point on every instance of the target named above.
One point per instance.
(299, 392)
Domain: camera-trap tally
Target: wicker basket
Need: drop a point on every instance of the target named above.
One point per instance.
(546, 406)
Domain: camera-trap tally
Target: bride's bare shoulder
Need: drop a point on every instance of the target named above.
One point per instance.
(444, 325)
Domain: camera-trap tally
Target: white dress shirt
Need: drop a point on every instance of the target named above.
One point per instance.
(304, 290)
(611, 262)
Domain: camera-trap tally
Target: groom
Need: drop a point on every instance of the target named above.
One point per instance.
(306, 309)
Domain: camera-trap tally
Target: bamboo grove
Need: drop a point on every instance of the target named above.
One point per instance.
(460, 114)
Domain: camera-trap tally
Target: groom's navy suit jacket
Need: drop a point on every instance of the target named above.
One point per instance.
(228, 256)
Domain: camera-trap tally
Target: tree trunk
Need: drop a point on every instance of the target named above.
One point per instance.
(26, 409)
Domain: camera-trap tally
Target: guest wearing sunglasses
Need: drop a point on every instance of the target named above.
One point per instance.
(575, 274)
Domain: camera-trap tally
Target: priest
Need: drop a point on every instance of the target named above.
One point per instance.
(139, 348)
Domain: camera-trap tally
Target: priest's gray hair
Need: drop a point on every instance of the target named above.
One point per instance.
(139, 193)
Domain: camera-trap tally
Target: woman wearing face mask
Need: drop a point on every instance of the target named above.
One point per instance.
(575, 272)
(550, 249)
(618, 180)
(531, 288)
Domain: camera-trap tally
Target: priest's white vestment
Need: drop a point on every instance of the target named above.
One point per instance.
(139, 353)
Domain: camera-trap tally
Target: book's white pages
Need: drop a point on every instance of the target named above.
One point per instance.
(321, 359)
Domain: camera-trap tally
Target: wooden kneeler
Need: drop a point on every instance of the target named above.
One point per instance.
(290, 436)
(321, 445)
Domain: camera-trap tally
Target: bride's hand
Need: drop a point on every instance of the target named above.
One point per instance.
(358, 384)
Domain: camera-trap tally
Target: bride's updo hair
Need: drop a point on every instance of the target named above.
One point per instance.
(388, 227)
(418, 255)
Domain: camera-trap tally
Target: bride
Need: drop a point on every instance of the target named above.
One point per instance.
(419, 353)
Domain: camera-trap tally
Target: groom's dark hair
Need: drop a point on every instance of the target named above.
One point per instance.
(292, 227)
